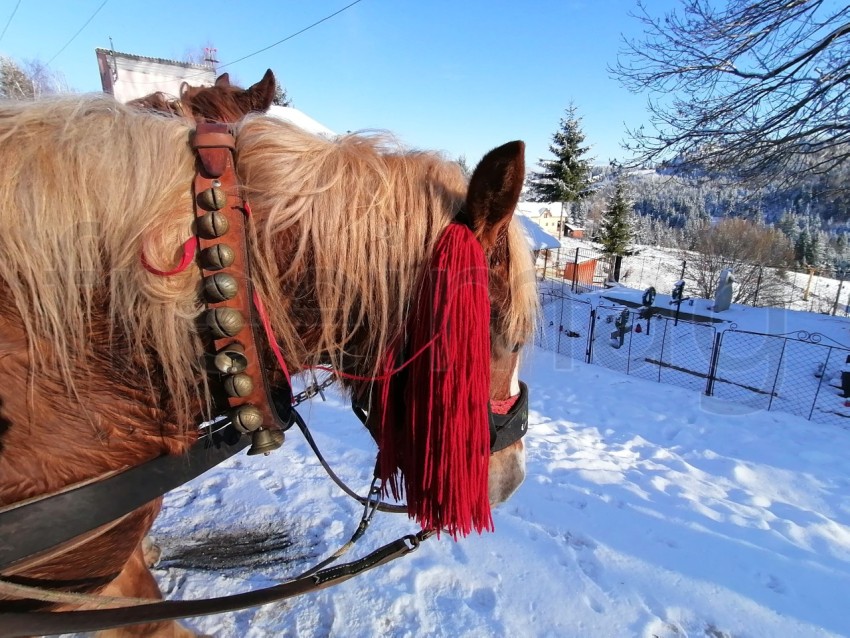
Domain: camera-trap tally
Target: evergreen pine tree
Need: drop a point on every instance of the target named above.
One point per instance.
(566, 178)
(841, 251)
(281, 97)
(788, 225)
(615, 233)
(816, 254)
(802, 247)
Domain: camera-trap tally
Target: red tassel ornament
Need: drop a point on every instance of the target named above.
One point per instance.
(434, 423)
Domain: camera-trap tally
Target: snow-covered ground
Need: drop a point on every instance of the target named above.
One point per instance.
(648, 511)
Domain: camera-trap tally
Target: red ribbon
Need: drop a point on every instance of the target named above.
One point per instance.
(189, 249)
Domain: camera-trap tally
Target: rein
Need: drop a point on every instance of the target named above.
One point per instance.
(29, 623)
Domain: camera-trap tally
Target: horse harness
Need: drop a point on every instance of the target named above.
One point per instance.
(254, 406)
(248, 404)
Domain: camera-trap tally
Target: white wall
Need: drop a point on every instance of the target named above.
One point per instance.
(128, 77)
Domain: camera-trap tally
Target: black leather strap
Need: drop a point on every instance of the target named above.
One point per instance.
(35, 527)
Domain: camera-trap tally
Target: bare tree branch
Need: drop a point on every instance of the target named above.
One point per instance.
(751, 89)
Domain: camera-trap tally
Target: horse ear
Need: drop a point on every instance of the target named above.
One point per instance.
(261, 95)
(223, 81)
(494, 190)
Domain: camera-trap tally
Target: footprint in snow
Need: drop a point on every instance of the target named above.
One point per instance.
(213, 484)
(270, 482)
(773, 583)
(482, 599)
(594, 604)
(180, 498)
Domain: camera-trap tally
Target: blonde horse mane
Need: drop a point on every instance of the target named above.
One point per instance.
(343, 229)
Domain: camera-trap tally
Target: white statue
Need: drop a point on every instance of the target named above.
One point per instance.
(723, 296)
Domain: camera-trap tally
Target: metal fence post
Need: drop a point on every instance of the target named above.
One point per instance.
(778, 370)
(661, 354)
(758, 287)
(820, 382)
(712, 366)
(560, 325)
(575, 272)
(589, 351)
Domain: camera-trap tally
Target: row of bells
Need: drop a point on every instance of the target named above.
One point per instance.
(228, 322)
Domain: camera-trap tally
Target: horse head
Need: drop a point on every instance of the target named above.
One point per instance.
(491, 200)
(347, 249)
(222, 102)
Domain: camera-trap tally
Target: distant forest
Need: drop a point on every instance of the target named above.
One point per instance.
(672, 210)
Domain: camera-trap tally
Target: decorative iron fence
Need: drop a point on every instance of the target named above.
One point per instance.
(799, 373)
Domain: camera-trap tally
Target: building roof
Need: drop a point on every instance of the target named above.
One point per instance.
(142, 58)
(536, 237)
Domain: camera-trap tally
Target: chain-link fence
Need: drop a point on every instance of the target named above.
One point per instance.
(583, 269)
(565, 324)
(799, 373)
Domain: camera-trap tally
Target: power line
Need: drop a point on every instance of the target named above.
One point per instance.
(289, 37)
(250, 55)
(9, 21)
(80, 30)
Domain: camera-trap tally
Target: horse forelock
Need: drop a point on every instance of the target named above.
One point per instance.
(345, 226)
(220, 104)
(348, 226)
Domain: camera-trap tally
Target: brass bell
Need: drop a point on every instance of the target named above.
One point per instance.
(231, 360)
(217, 257)
(212, 199)
(265, 441)
(212, 225)
(224, 322)
(220, 287)
(238, 385)
(247, 418)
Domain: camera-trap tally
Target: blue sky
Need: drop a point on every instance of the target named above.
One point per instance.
(456, 76)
